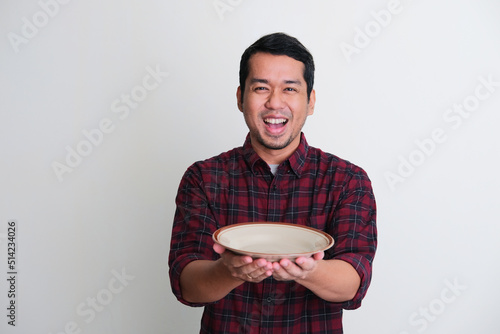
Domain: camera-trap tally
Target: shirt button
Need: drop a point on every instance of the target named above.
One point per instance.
(269, 300)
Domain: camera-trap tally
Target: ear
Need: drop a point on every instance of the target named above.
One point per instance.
(238, 99)
(312, 102)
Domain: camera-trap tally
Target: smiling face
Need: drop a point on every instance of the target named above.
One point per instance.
(275, 105)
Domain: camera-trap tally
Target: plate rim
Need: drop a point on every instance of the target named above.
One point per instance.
(330, 239)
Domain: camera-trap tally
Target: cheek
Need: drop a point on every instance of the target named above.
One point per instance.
(250, 119)
(251, 109)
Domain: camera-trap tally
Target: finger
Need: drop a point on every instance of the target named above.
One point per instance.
(240, 260)
(319, 256)
(308, 263)
(280, 273)
(285, 263)
(219, 249)
(286, 274)
(305, 263)
(265, 275)
(258, 275)
(258, 268)
(263, 263)
(235, 260)
(285, 270)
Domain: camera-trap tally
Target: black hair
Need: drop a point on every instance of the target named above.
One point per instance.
(279, 44)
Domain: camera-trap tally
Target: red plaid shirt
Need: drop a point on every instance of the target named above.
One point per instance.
(311, 188)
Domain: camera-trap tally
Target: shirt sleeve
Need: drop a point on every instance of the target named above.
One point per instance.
(355, 232)
(192, 230)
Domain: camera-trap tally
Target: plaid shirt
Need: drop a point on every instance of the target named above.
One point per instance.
(311, 188)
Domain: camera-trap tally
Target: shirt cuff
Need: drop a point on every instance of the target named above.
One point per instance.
(175, 276)
(363, 268)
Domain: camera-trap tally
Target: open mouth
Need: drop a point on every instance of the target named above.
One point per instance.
(275, 122)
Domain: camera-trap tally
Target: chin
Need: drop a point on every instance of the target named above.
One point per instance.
(275, 145)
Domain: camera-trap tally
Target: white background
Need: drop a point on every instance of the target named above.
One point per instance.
(112, 213)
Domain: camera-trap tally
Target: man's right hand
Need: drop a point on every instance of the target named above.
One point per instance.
(244, 267)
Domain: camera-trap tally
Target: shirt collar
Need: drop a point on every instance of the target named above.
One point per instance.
(296, 161)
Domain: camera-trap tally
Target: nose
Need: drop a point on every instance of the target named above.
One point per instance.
(275, 100)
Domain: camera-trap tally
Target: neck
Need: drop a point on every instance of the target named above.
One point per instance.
(273, 156)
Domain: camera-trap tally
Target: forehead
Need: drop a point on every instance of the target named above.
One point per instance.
(267, 66)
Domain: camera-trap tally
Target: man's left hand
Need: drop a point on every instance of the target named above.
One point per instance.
(287, 270)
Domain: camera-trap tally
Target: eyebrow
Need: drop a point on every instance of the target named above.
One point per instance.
(265, 81)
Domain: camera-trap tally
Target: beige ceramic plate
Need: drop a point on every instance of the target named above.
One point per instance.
(272, 241)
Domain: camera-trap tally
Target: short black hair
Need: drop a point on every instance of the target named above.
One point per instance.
(279, 44)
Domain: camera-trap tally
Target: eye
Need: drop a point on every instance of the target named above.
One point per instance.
(260, 89)
(290, 89)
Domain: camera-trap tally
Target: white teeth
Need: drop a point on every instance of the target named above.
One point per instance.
(275, 120)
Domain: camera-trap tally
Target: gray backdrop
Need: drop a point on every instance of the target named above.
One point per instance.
(105, 104)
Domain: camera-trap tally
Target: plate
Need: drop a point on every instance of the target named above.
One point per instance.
(272, 241)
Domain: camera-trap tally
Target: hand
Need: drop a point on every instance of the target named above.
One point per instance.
(286, 270)
(244, 267)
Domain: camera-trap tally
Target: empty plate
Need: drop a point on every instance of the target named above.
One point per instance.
(272, 241)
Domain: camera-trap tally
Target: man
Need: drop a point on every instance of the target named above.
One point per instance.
(275, 176)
